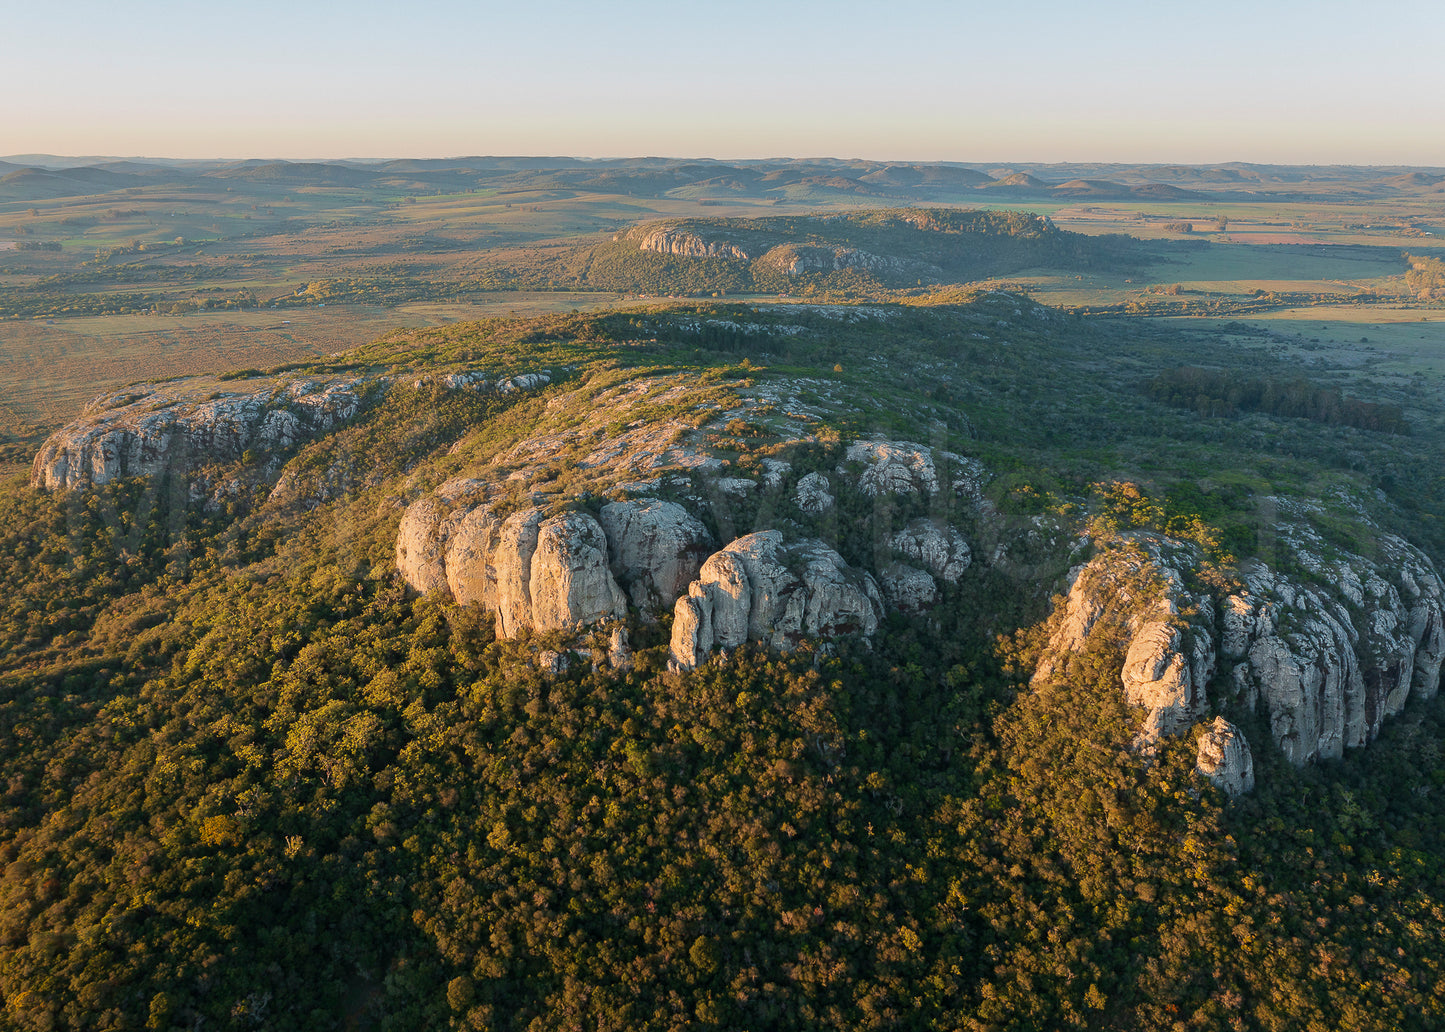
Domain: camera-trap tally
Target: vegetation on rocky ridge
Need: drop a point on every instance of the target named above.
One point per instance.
(252, 782)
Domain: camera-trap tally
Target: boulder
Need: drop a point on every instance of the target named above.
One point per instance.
(937, 547)
(1224, 757)
(907, 588)
(619, 649)
(692, 635)
(812, 494)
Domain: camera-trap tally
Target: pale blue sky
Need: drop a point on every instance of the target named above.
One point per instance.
(1032, 80)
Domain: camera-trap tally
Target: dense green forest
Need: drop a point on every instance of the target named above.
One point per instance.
(250, 781)
(1219, 392)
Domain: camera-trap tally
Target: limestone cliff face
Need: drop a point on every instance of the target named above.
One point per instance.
(181, 426)
(762, 588)
(1329, 659)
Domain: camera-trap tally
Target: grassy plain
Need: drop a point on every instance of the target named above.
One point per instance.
(267, 270)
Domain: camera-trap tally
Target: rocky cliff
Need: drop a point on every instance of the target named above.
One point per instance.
(623, 499)
(185, 424)
(559, 568)
(1327, 654)
(761, 588)
(668, 239)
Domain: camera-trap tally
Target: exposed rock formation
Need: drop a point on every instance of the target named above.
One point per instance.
(940, 549)
(1328, 673)
(1224, 757)
(470, 558)
(903, 467)
(421, 544)
(796, 259)
(671, 240)
(512, 559)
(907, 588)
(570, 585)
(893, 467)
(176, 427)
(752, 584)
(813, 493)
(656, 549)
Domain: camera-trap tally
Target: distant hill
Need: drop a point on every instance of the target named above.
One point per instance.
(1018, 180)
(1104, 190)
(810, 181)
(33, 184)
(860, 252)
(298, 173)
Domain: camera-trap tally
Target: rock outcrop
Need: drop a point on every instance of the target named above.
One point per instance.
(1224, 757)
(470, 558)
(760, 588)
(656, 549)
(903, 467)
(813, 493)
(1329, 658)
(176, 427)
(667, 239)
(907, 588)
(570, 584)
(938, 547)
(1332, 663)
(421, 544)
(512, 559)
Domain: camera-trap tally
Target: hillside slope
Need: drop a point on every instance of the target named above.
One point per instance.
(735, 666)
(860, 252)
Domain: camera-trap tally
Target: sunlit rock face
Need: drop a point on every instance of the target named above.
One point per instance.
(179, 427)
(656, 549)
(1329, 658)
(761, 588)
(1224, 757)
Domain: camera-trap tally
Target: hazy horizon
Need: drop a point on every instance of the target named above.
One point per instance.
(1041, 82)
(76, 160)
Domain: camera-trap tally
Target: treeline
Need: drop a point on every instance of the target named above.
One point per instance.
(1219, 392)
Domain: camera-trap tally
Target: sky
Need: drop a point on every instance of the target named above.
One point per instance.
(1281, 81)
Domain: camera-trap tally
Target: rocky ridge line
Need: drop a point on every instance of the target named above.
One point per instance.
(1329, 664)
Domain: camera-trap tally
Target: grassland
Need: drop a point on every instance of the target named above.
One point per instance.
(163, 272)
